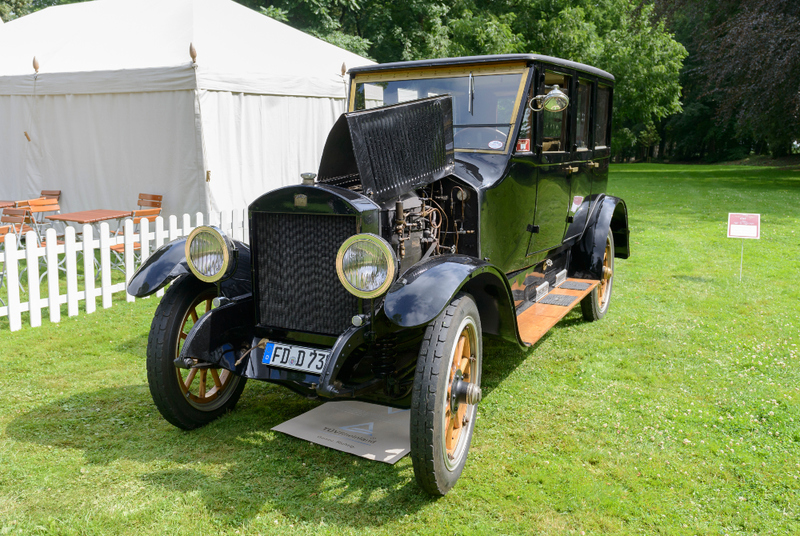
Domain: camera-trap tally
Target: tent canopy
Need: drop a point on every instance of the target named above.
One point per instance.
(118, 107)
(114, 46)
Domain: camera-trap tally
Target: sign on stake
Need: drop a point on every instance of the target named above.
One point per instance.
(743, 226)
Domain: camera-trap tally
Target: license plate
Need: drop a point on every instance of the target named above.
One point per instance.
(293, 357)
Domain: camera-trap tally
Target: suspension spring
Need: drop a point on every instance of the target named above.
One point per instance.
(385, 356)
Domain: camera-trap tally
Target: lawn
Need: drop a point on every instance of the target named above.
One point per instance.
(675, 414)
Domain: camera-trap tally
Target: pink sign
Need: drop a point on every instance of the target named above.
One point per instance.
(744, 225)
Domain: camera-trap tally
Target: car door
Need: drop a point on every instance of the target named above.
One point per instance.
(553, 184)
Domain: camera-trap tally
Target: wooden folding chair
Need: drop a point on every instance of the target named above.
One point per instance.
(150, 201)
(37, 208)
(137, 216)
(51, 194)
(19, 221)
(4, 230)
(16, 217)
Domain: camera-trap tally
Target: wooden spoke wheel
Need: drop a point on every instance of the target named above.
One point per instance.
(595, 305)
(445, 396)
(194, 397)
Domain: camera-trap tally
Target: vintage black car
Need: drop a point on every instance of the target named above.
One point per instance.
(458, 198)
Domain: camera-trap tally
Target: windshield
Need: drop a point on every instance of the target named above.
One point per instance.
(485, 105)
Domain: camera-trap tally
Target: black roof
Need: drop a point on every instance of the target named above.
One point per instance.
(496, 58)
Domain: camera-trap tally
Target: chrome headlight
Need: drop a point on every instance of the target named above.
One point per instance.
(366, 265)
(209, 254)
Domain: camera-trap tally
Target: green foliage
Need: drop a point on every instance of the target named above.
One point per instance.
(620, 36)
(405, 30)
(280, 15)
(11, 9)
(623, 143)
(481, 32)
(330, 20)
(742, 76)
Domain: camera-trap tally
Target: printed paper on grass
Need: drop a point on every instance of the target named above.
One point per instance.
(371, 431)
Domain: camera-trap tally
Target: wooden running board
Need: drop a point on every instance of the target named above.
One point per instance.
(539, 317)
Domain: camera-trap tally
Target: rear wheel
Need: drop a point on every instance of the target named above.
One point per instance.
(445, 396)
(595, 305)
(194, 397)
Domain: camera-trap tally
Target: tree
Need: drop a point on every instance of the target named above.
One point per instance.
(745, 67)
(623, 37)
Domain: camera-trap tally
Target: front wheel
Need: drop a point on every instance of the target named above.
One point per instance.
(595, 305)
(445, 395)
(186, 398)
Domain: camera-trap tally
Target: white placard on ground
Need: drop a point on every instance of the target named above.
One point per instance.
(744, 225)
(368, 430)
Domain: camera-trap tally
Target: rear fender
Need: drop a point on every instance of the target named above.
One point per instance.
(422, 293)
(169, 262)
(587, 255)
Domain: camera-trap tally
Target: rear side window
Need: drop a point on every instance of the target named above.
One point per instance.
(601, 124)
(583, 101)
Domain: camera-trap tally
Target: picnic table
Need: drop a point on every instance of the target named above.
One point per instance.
(91, 216)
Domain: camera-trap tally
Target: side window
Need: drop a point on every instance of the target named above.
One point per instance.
(555, 134)
(601, 123)
(582, 106)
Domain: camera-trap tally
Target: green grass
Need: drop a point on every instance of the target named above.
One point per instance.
(675, 414)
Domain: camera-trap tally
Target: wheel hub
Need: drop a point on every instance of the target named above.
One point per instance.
(463, 392)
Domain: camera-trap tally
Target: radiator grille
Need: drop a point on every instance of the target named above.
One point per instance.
(295, 271)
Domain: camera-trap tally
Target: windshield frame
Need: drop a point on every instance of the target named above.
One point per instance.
(426, 73)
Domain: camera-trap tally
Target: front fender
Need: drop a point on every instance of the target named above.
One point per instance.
(421, 293)
(232, 325)
(169, 262)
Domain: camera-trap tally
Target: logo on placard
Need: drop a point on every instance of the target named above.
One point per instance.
(364, 428)
(300, 200)
(496, 144)
(523, 145)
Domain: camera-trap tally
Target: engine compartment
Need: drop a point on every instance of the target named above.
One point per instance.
(441, 217)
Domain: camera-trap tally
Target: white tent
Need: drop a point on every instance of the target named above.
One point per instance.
(118, 107)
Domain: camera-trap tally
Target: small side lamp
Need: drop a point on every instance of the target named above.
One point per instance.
(555, 101)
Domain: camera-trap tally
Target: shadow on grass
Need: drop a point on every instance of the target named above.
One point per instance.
(237, 464)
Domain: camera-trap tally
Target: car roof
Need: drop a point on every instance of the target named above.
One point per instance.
(472, 60)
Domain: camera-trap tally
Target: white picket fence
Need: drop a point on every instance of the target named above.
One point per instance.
(26, 267)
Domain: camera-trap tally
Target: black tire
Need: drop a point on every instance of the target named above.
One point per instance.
(595, 305)
(439, 442)
(186, 398)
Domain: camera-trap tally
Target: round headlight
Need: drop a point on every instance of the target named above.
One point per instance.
(366, 265)
(209, 254)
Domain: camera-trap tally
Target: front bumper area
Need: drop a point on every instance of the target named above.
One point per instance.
(226, 337)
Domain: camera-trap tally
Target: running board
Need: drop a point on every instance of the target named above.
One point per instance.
(534, 319)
